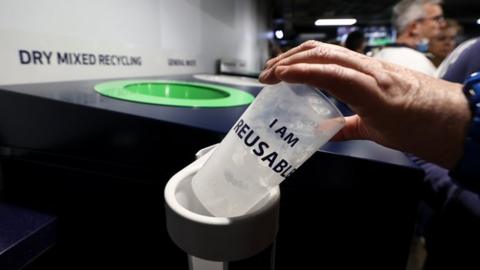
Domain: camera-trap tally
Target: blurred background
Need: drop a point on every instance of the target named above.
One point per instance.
(295, 20)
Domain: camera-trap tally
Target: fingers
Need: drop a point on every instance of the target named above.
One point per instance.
(302, 47)
(351, 131)
(355, 88)
(320, 53)
(311, 44)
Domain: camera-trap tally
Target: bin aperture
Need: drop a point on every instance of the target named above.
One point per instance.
(175, 93)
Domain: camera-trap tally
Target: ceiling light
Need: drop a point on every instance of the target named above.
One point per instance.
(324, 22)
(279, 34)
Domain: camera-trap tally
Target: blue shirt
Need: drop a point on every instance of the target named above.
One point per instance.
(454, 230)
(467, 63)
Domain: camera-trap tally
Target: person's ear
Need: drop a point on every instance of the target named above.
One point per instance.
(415, 28)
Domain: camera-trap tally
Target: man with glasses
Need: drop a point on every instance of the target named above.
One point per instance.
(416, 22)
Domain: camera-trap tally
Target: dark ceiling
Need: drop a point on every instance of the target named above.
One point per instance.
(298, 16)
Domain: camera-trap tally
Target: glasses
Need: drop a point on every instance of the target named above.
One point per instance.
(438, 18)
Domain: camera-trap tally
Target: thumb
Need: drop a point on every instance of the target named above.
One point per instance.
(351, 130)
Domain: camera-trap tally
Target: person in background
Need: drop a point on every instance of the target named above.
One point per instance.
(416, 22)
(432, 118)
(356, 41)
(443, 44)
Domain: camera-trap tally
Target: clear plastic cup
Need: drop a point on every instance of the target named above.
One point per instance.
(284, 126)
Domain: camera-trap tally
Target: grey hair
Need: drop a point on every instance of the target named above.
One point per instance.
(407, 11)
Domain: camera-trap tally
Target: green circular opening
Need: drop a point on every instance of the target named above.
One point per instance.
(175, 93)
(172, 90)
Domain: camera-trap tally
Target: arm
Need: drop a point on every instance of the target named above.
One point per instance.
(395, 106)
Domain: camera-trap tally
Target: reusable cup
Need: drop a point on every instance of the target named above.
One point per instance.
(284, 126)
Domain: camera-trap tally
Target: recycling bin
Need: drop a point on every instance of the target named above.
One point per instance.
(175, 93)
(219, 242)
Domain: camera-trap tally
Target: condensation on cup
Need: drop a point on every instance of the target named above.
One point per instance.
(279, 131)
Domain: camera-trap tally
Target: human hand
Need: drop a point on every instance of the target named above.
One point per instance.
(395, 106)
